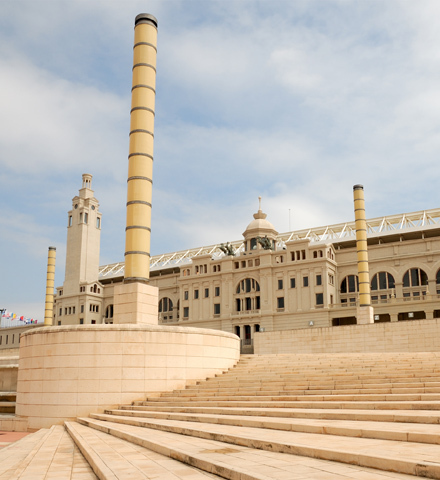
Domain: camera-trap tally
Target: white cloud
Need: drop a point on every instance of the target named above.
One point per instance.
(61, 124)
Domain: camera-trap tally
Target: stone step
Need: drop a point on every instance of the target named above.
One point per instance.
(46, 454)
(234, 461)
(404, 432)
(8, 396)
(351, 405)
(402, 416)
(15, 453)
(295, 392)
(326, 396)
(393, 456)
(113, 458)
(308, 375)
(284, 385)
(7, 407)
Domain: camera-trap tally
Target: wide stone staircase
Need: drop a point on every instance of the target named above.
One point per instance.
(323, 417)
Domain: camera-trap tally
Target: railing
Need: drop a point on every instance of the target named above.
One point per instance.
(391, 300)
(248, 312)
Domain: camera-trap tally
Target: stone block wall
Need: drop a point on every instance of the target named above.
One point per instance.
(70, 371)
(406, 336)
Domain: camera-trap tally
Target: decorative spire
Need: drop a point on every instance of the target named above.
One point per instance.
(260, 213)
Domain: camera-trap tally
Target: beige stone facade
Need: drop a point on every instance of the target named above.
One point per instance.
(271, 281)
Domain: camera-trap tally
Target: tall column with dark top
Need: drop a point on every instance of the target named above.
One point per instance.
(135, 301)
(140, 157)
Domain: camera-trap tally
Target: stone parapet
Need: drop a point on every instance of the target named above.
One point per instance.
(70, 371)
(404, 336)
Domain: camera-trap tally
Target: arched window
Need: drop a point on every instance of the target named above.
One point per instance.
(350, 284)
(247, 295)
(382, 281)
(165, 305)
(248, 285)
(415, 277)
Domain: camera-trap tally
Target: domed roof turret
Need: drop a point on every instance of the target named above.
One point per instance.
(260, 226)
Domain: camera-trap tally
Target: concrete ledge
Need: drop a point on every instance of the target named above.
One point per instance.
(407, 336)
(70, 371)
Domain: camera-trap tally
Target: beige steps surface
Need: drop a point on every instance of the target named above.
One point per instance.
(327, 396)
(286, 417)
(115, 458)
(405, 432)
(46, 454)
(238, 461)
(350, 405)
(401, 416)
(403, 457)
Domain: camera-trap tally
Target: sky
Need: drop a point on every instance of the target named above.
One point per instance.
(291, 100)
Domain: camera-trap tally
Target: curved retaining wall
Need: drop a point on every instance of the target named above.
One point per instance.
(71, 371)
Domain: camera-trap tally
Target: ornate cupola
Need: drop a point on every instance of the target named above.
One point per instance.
(260, 234)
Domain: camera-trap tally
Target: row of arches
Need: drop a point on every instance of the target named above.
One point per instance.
(414, 277)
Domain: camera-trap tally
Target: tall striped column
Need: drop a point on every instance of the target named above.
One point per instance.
(50, 282)
(140, 158)
(365, 311)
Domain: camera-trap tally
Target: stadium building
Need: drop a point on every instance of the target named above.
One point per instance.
(266, 281)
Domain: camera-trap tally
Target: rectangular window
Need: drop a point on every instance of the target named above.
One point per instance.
(318, 280)
(280, 284)
(73, 310)
(185, 312)
(65, 311)
(331, 279)
(216, 309)
(292, 283)
(217, 291)
(86, 217)
(81, 218)
(185, 295)
(82, 308)
(81, 321)
(305, 281)
(196, 294)
(303, 253)
(206, 292)
(236, 265)
(319, 299)
(61, 312)
(70, 220)
(280, 302)
(98, 223)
